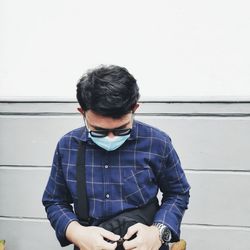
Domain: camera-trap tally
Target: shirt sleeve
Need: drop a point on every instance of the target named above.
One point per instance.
(175, 192)
(57, 200)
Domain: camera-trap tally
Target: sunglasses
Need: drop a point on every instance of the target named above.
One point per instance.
(104, 132)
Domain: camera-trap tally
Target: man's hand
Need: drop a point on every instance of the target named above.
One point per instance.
(147, 238)
(91, 238)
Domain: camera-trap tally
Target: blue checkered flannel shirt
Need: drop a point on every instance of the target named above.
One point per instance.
(125, 178)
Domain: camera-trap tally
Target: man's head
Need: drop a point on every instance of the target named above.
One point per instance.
(109, 91)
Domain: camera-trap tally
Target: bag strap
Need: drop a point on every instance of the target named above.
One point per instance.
(82, 208)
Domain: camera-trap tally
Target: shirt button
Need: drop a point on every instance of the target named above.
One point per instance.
(107, 196)
(106, 166)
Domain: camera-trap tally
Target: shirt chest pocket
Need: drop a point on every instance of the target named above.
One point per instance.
(138, 185)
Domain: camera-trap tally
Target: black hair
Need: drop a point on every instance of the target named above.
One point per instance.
(108, 91)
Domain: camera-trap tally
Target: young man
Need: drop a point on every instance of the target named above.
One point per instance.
(126, 163)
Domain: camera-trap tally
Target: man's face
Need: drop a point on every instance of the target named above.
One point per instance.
(97, 122)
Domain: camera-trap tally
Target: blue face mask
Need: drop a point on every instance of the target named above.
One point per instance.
(109, 144)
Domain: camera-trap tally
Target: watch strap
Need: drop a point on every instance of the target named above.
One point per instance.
(164, 232)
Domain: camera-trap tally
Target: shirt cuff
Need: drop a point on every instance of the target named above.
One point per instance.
(171, 222)
(61, 231)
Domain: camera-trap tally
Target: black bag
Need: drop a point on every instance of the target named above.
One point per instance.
(118, 224)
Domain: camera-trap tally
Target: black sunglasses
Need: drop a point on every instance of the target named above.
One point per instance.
(105, 132)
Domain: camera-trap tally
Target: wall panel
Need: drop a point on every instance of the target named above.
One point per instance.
(214, 199)
(38, 235)
(28, 234)
(220, 143)
(211, 138)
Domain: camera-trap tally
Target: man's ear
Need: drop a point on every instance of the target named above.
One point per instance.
(135, 107)
(81, 111)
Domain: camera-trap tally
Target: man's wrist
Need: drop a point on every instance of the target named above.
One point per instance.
(72, 232)
(164, 233)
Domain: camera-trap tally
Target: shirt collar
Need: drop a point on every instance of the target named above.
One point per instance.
(133, 133)
(84, 134)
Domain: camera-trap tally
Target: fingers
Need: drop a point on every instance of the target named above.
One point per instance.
(109, 235)
(108, 245)
(111, 244)
(130, 244)
(131, 231)
(147, 237)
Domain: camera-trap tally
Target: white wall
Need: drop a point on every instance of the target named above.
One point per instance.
(174, 48)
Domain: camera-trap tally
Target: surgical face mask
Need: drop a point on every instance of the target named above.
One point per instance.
(108, 143)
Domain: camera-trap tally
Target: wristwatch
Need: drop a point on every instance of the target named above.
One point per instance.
(165, 233)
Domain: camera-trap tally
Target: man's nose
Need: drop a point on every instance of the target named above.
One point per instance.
(110, 134)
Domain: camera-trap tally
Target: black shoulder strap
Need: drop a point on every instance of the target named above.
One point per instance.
(82, 208)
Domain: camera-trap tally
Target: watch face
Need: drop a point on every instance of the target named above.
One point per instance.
(166, 235)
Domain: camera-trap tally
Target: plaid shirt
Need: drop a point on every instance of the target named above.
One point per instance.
(127, 177)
